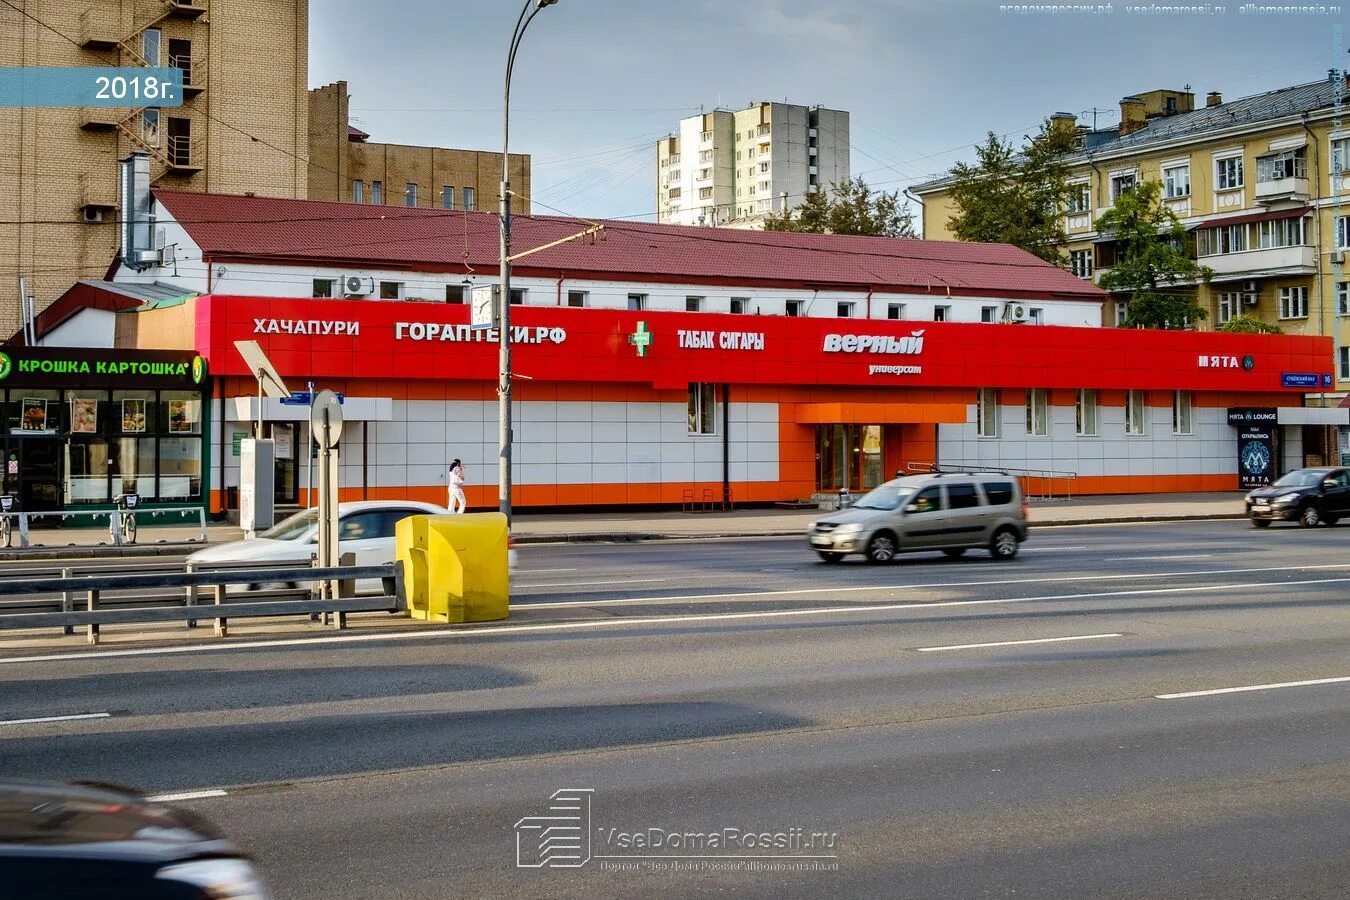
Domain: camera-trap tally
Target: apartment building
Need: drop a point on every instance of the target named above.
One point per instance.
(242, 128)
(346, 166)
(731, 168)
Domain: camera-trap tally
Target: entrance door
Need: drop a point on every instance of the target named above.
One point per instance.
(286, 483)
(849, 456)
(37, 482)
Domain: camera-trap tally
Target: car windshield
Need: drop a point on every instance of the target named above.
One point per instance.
(1301, 478)
(888, 496)
(294, 527)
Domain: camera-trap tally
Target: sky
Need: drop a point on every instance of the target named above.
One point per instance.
(598, 82)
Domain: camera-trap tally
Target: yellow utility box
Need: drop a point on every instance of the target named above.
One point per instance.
(455, 567)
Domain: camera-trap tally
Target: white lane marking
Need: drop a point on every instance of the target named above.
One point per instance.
(1052, 549)
(543, 571)
(1056, 640)
(1252, 687)
(647, 620)
(187, 795)
(764, 595)
(1180, 556)
(44, 719)
(594, 583)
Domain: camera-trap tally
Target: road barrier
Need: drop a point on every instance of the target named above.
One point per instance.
(37, 611)
(144, 515)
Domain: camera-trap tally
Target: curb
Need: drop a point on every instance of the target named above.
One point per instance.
(86, 552)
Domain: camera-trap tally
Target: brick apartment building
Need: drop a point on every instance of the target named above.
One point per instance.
(346, 166)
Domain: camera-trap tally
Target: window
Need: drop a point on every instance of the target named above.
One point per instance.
(1080, 198)
(410, 195)
(844, 310)
(1085, 413)
(693, 304)
(363, 526)
(762, 130)
(962, 496)
(324, 287)
(1181, 412)
(895, 310)
(470, 199)
(1123, 183)
(377, 192)
(750, 154)
(793, 308)
(1037, 315)
(1228, 173)
(1286, 164)
(1176, 182)
(391, 290)
(1226, 239)
(1080, 263)
(986, 413)
(676, 193)
(576, 299)
(1340, 156)
(447, 197)
(358, 191)
(674, 161)
(763, 167)
(1122, 313)
(739, 305)
(703, 409)
(150, 127)
(675, 175)
(705, 156)
(705, 136)
(456, 293)
(1037, 412)
(1280, 233)
(1343, 232)
(1343, 298)
(1135, 411)
(637, 302)
(928, 500)
(517, 296)
(765, 186)
(705, 193)
(1230, 305)
(150, 43)
(1293, 303)
(988, 313)
(1345, 363)
(942, 313)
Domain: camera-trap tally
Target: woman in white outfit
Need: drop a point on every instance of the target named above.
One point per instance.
(457, 501)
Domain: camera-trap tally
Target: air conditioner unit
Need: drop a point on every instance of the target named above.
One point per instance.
(1250, 299)
(1016, 312)
(92, 215)
(1338, 257)
(1249, 287)
(357, 286)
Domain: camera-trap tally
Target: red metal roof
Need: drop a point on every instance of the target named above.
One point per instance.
(356, 134)
(353, 235)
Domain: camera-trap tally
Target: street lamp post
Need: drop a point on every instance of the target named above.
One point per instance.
(531, 9)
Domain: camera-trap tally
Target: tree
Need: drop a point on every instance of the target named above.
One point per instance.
(1245, 324)
(1152, 261)
(848, 207)
(1016, 197)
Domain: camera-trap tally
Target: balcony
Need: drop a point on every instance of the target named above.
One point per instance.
(101, 118)
(194, 74)
(1282, 189)
(98, 196)
(186, 9)
(1300, 260)
(184, 155)
(98, 30)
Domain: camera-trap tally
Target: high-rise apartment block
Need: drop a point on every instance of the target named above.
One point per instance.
(243, 126)
(731, 168)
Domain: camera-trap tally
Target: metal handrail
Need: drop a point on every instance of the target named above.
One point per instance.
(1047, 477)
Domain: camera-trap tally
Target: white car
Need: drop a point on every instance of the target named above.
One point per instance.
(365, 529)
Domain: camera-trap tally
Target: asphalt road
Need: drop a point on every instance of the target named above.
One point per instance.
(963, 728)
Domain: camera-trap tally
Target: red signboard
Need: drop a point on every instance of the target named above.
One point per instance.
(354, 339)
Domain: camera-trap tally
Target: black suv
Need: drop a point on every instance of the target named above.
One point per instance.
(1310, 497)
(70, 840)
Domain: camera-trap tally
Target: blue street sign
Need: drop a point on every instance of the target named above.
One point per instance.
(1326, 381)
(299, 398)
(1299, 380)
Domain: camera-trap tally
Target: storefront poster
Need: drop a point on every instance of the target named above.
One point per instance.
(1256, 456)
(133, 416)
(34, 415)
(83, 416)
(181, 420)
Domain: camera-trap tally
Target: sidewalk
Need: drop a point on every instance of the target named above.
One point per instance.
(531, 528)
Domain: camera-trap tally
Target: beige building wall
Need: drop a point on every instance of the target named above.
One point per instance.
(338, 162)
(59, 167)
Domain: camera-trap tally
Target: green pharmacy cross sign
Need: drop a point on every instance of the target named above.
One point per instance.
(641, 339)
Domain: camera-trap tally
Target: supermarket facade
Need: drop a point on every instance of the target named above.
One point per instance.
(665, 365)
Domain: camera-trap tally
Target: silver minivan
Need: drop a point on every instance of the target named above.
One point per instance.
(948, 512)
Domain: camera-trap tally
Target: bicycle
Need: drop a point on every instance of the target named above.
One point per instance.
(122, 522)
(6, 524)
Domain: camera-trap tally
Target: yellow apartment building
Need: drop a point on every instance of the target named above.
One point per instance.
(1262, 184)
(242, 128)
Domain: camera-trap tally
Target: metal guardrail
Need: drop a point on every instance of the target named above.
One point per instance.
(25, 520)
(185, 606)
(1038, 483)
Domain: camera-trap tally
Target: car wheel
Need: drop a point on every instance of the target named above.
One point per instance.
(955, 552)
(828, 557)
(881, 548)
(1003, 545)
(1311, 516)
(1260, 523)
